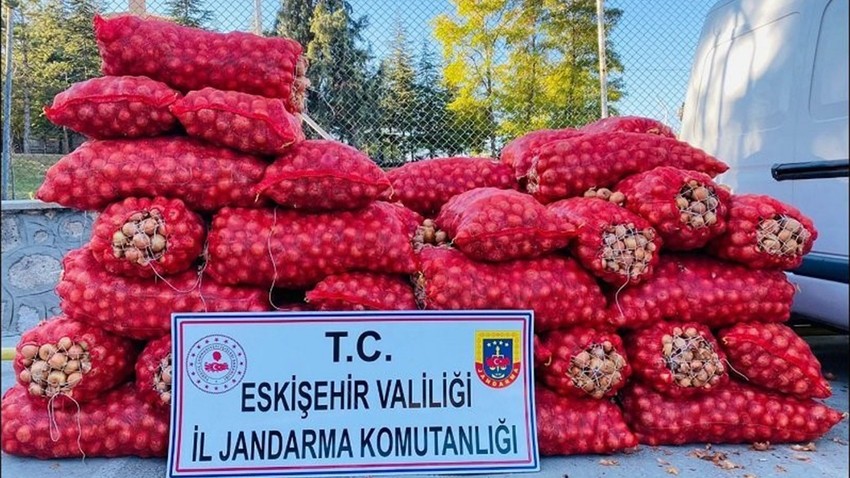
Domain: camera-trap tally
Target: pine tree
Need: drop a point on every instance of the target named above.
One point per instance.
(83, 46)
(338, 73)
(293, 20)
(190, 13)
(398, 101)
(438, 133)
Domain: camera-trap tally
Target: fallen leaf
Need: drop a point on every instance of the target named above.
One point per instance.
(672, 470)
(802, 458)
(840, 441)
(749, 475)
(829, 375)
(727, 465)
(718, 458)
(761, 446)
(807, 447)
(701, 454)
(662, 461)
(780, 469)
(604, 462)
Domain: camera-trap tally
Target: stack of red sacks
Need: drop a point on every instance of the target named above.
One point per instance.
(696, 291)
(659, 295)
(175, 135)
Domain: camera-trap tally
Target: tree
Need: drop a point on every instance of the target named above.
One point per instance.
(54, 48)
(520, 65)
(293, 20)
(398, 99)
(189, 12)
(439, 133)
(471, 48)
(573, 85)
(339, 73)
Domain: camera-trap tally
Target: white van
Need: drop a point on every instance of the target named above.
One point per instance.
(768, 94)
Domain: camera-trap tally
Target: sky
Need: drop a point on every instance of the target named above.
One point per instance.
(656, 39)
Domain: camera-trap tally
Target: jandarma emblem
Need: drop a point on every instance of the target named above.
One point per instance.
(498, 357)
(216, 363)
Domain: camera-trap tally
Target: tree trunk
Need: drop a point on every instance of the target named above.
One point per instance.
(27, 119)
(66, 147)
(491, 115)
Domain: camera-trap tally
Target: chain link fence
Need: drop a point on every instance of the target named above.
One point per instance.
(400, 80)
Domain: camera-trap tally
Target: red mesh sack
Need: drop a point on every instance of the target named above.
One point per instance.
(117, 423)
(291, 249)
(249, 123)
(362, 291)
(628, 124)
(115, 107)
(141, 308)
(541, 353)
(496, 225)
(411, 220)
(145, 237)
(575, 426)
(559, 291)
(677, 358)
(293, 307)
(583, 362)
(190, 58)
(204, 177)
(65, 357)
(613, 243)
(568, 167)
(425, 186)
(738, 413)
(153, 373)
(518, 154)
(324, 175)
(686, 208)
(773, 356)
(701, 289)
(764, 233)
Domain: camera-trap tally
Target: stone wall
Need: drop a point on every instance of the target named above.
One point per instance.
(36, 236)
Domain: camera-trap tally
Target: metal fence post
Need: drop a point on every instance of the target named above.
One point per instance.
(603, 73)
(7, 101)
(258, 17)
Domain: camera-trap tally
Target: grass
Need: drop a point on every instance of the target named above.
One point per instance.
(28, 173)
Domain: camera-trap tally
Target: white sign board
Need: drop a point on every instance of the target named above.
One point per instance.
(342, 393)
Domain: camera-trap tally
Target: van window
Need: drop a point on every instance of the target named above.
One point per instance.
(755, 66)
(829, 96)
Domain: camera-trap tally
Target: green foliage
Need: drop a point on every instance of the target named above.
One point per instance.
(54, 47)
(339, 72)
(439, 131)
(398, 99)
(520, 65)
(190, 13)
(507, 67)
(293, 20)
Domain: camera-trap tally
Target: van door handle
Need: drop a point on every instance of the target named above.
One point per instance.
(837, 168)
